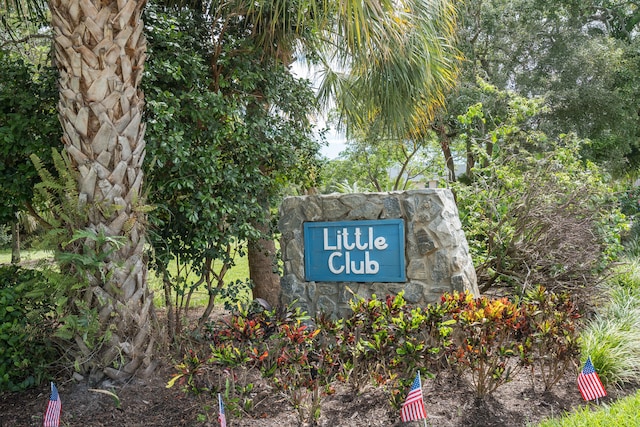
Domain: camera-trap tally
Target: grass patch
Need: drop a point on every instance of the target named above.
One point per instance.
(240, 271)
(626, 274)
(614, 349)
(612, 337)
(623, 413)
(25, 256)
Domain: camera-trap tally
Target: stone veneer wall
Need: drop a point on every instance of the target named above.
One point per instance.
(437, 256)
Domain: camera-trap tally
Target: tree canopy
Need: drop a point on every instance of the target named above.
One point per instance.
(580, 57)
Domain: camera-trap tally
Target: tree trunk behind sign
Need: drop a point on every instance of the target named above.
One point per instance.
(262, 264)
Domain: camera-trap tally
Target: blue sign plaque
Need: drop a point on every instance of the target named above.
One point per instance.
(354, 251)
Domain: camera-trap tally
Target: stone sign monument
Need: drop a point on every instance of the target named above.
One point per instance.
(372, 243)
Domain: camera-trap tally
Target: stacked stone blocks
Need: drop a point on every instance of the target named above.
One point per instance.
(437, 256)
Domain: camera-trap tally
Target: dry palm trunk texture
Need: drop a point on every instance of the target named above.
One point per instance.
(100, 50)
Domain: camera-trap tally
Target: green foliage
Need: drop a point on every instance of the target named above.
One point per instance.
(411, 44)
(372, 163)
(385, 341)
(68, 320)
(585, 67)
(297, 367)
(5, 236)
(226, 133)
(190, 226)
(381, 342)
(550, 340)
(96, 249)
(187, 372)
(277, 343)
(368, 336)
(27, 307)
(83, 256)
(612, 338)
(76, 248)
(28, 126)
(339, 175)
(485, 336)
(536, 218)
(629, 202)
(623, 413)
(56, 194)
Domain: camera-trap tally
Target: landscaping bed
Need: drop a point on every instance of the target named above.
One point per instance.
(449, 402)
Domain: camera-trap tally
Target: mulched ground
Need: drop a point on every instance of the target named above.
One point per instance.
(449, 402)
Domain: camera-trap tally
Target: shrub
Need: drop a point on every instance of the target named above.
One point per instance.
(382, 342)
(368, 339)
(385, 341)
(547, 219)
(484, 338)
(279, 344)
(26, 328)
(550, 344)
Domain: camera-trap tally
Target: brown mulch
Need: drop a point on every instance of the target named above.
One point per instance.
(449, 402)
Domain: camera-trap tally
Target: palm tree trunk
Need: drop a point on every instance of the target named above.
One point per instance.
(100, 51)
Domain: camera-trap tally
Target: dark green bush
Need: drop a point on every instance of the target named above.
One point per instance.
(26, 325)
(629, 202)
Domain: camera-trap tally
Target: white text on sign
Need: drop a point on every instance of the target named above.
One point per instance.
(342, 243)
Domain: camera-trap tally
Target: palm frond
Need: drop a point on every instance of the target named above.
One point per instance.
(399, 69)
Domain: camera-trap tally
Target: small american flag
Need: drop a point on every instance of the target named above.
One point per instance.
(413, 407)
(52, 416)
(589, 382)
(221, 416)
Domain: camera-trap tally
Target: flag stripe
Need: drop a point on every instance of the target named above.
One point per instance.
(221, 416)
(413, 407)
(52, 415)
(589, 382)
(413, 412)
(52, 418)
(590, 386)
